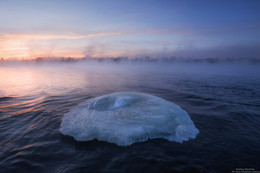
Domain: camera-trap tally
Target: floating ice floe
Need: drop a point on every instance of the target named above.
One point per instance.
(124, 118)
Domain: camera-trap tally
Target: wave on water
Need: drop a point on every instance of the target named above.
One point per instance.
(124, 118)
(5, 98)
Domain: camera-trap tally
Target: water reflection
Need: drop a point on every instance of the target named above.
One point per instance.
(21, 81)
(56, 79)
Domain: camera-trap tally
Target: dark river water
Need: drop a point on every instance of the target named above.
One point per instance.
(223, 101)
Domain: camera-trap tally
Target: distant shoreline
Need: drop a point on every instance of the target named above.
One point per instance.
(145, 59)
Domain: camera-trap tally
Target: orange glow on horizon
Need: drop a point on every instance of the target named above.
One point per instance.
(31, 46)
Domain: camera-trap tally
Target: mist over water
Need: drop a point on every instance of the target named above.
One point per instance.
(34, 78)
(222, 100)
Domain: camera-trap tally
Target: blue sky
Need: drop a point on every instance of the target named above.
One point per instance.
(129, 28)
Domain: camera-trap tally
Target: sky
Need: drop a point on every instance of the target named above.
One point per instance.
(133, 28)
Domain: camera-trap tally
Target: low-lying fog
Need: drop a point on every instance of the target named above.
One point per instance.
(203, 68)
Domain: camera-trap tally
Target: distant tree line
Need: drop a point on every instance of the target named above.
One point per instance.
(122, 59)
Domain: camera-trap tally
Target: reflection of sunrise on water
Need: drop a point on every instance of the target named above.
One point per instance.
(21, 81)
